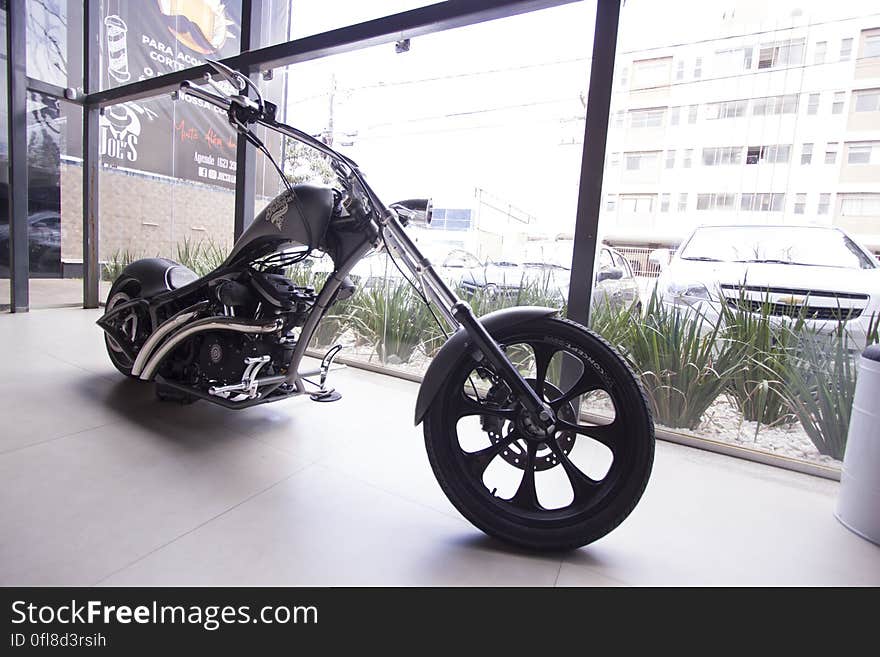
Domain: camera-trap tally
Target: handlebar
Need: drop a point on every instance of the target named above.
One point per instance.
(218, 101)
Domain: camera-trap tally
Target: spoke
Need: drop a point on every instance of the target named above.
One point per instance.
(587, 382)
(582, 485)
(478, 461)
(543, 356)
(468, 406)
(526, 496)
(607, 434)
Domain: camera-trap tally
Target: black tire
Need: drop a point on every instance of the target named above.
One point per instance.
(599, 510)
(122, 290)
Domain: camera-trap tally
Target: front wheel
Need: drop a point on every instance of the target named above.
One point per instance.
(539, 490)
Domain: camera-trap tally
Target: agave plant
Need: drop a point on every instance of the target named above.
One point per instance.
(767, 350)
(201, 256)
(387, 316)
(820, 387)
(121, 259)
(614, 323)
(684, 361)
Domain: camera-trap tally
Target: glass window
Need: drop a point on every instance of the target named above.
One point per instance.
(698, 68)
(729, 109)
(867, 100)
(688, 158)
(781, 53)
(316, 16)
(54, 34)
(642, 161)
(845, 49)
(679, 70)
(692, 113)
(670, 159)
(866, 152)
(722, 155)
(651, 117)
(860, 205)
(775, 105)
(824, 204)
(664, 202)
(837, 105)
(821, 51)
(800, 203)
(611, 202)
(682, 202)
(806, 153)
(624, 76)
(648, 73)
(871, 45)
(762, 202)
(637, 203)
(674, 114)
(831, 152)
(813, 104)
(776, 153)
(732, 61)
(720, 201)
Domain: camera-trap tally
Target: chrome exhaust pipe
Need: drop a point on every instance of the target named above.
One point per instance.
(200, 326)
(164, 329)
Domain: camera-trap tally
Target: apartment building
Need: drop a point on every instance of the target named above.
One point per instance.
(748, 125)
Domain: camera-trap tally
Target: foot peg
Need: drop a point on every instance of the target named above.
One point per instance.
(325, 394)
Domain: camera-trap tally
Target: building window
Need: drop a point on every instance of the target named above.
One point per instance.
(733, 61)
(674, 114)
(813, 104)
(648, 73)
(679, 70)
(723, 201)
(647, 118)
(451, 219)
(614, 159)
(692, 113)
(831, 152)
(618, 119)
(664, 202)
(729, 109)
(837, 105)
(824, 204)
(683, 202)
(698, 68)
(806, 153)
(775, 105)
(800, 203)
(781, 53)
(821, 50)
(870, 43)
(845, 49)
(611, 202)
(860, 205)
(722, 155)
(624, 76)
(641, 161)
(688, 158)
(863, 152)
(637, 203)
(773, 154)
(670, 159)
(867, 100)
(763, 202)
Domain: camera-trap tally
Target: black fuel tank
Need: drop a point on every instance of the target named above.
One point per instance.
(281, 224)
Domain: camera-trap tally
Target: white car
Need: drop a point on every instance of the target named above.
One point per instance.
(819, 270)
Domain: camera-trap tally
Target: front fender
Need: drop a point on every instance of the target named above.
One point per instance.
(459, 344)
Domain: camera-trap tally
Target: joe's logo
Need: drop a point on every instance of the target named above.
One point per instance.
(121, 129)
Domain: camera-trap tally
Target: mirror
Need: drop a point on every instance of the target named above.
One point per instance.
(660, 257)
(234, 78)
(610, 274)
(417, 210)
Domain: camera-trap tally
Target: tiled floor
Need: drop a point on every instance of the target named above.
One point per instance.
(101, 484)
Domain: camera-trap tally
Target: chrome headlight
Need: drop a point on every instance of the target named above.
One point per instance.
(687, 292)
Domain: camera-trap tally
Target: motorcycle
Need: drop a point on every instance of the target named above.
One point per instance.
(237, 336)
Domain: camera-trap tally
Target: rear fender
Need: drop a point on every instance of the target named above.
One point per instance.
(459, 344)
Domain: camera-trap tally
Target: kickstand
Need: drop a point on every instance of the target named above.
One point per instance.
(324, 394)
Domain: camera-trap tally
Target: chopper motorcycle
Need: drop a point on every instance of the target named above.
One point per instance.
(504, 392)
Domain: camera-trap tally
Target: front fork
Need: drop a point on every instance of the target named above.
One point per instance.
(457, 312)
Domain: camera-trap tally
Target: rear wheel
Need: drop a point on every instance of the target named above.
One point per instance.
(122, 292)
(539, 490)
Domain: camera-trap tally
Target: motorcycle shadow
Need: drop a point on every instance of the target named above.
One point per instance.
(135, 402)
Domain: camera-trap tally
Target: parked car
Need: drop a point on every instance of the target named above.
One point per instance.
(815, 270)
(615, 282)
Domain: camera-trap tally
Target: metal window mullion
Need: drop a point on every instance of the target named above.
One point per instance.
(245, 154)
(91, 154)
(586, 229)
(16, 72)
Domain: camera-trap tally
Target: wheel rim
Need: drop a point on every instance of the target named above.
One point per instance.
(128, 327)
(508, 437)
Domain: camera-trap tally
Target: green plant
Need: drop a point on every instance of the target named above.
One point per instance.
(388, 317)
(767, 349)
(201, 256)
(820, 386)
(121, 259)
(614, 323)
(683, 360)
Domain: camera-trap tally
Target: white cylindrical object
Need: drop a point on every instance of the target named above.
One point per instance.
(858, 504)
